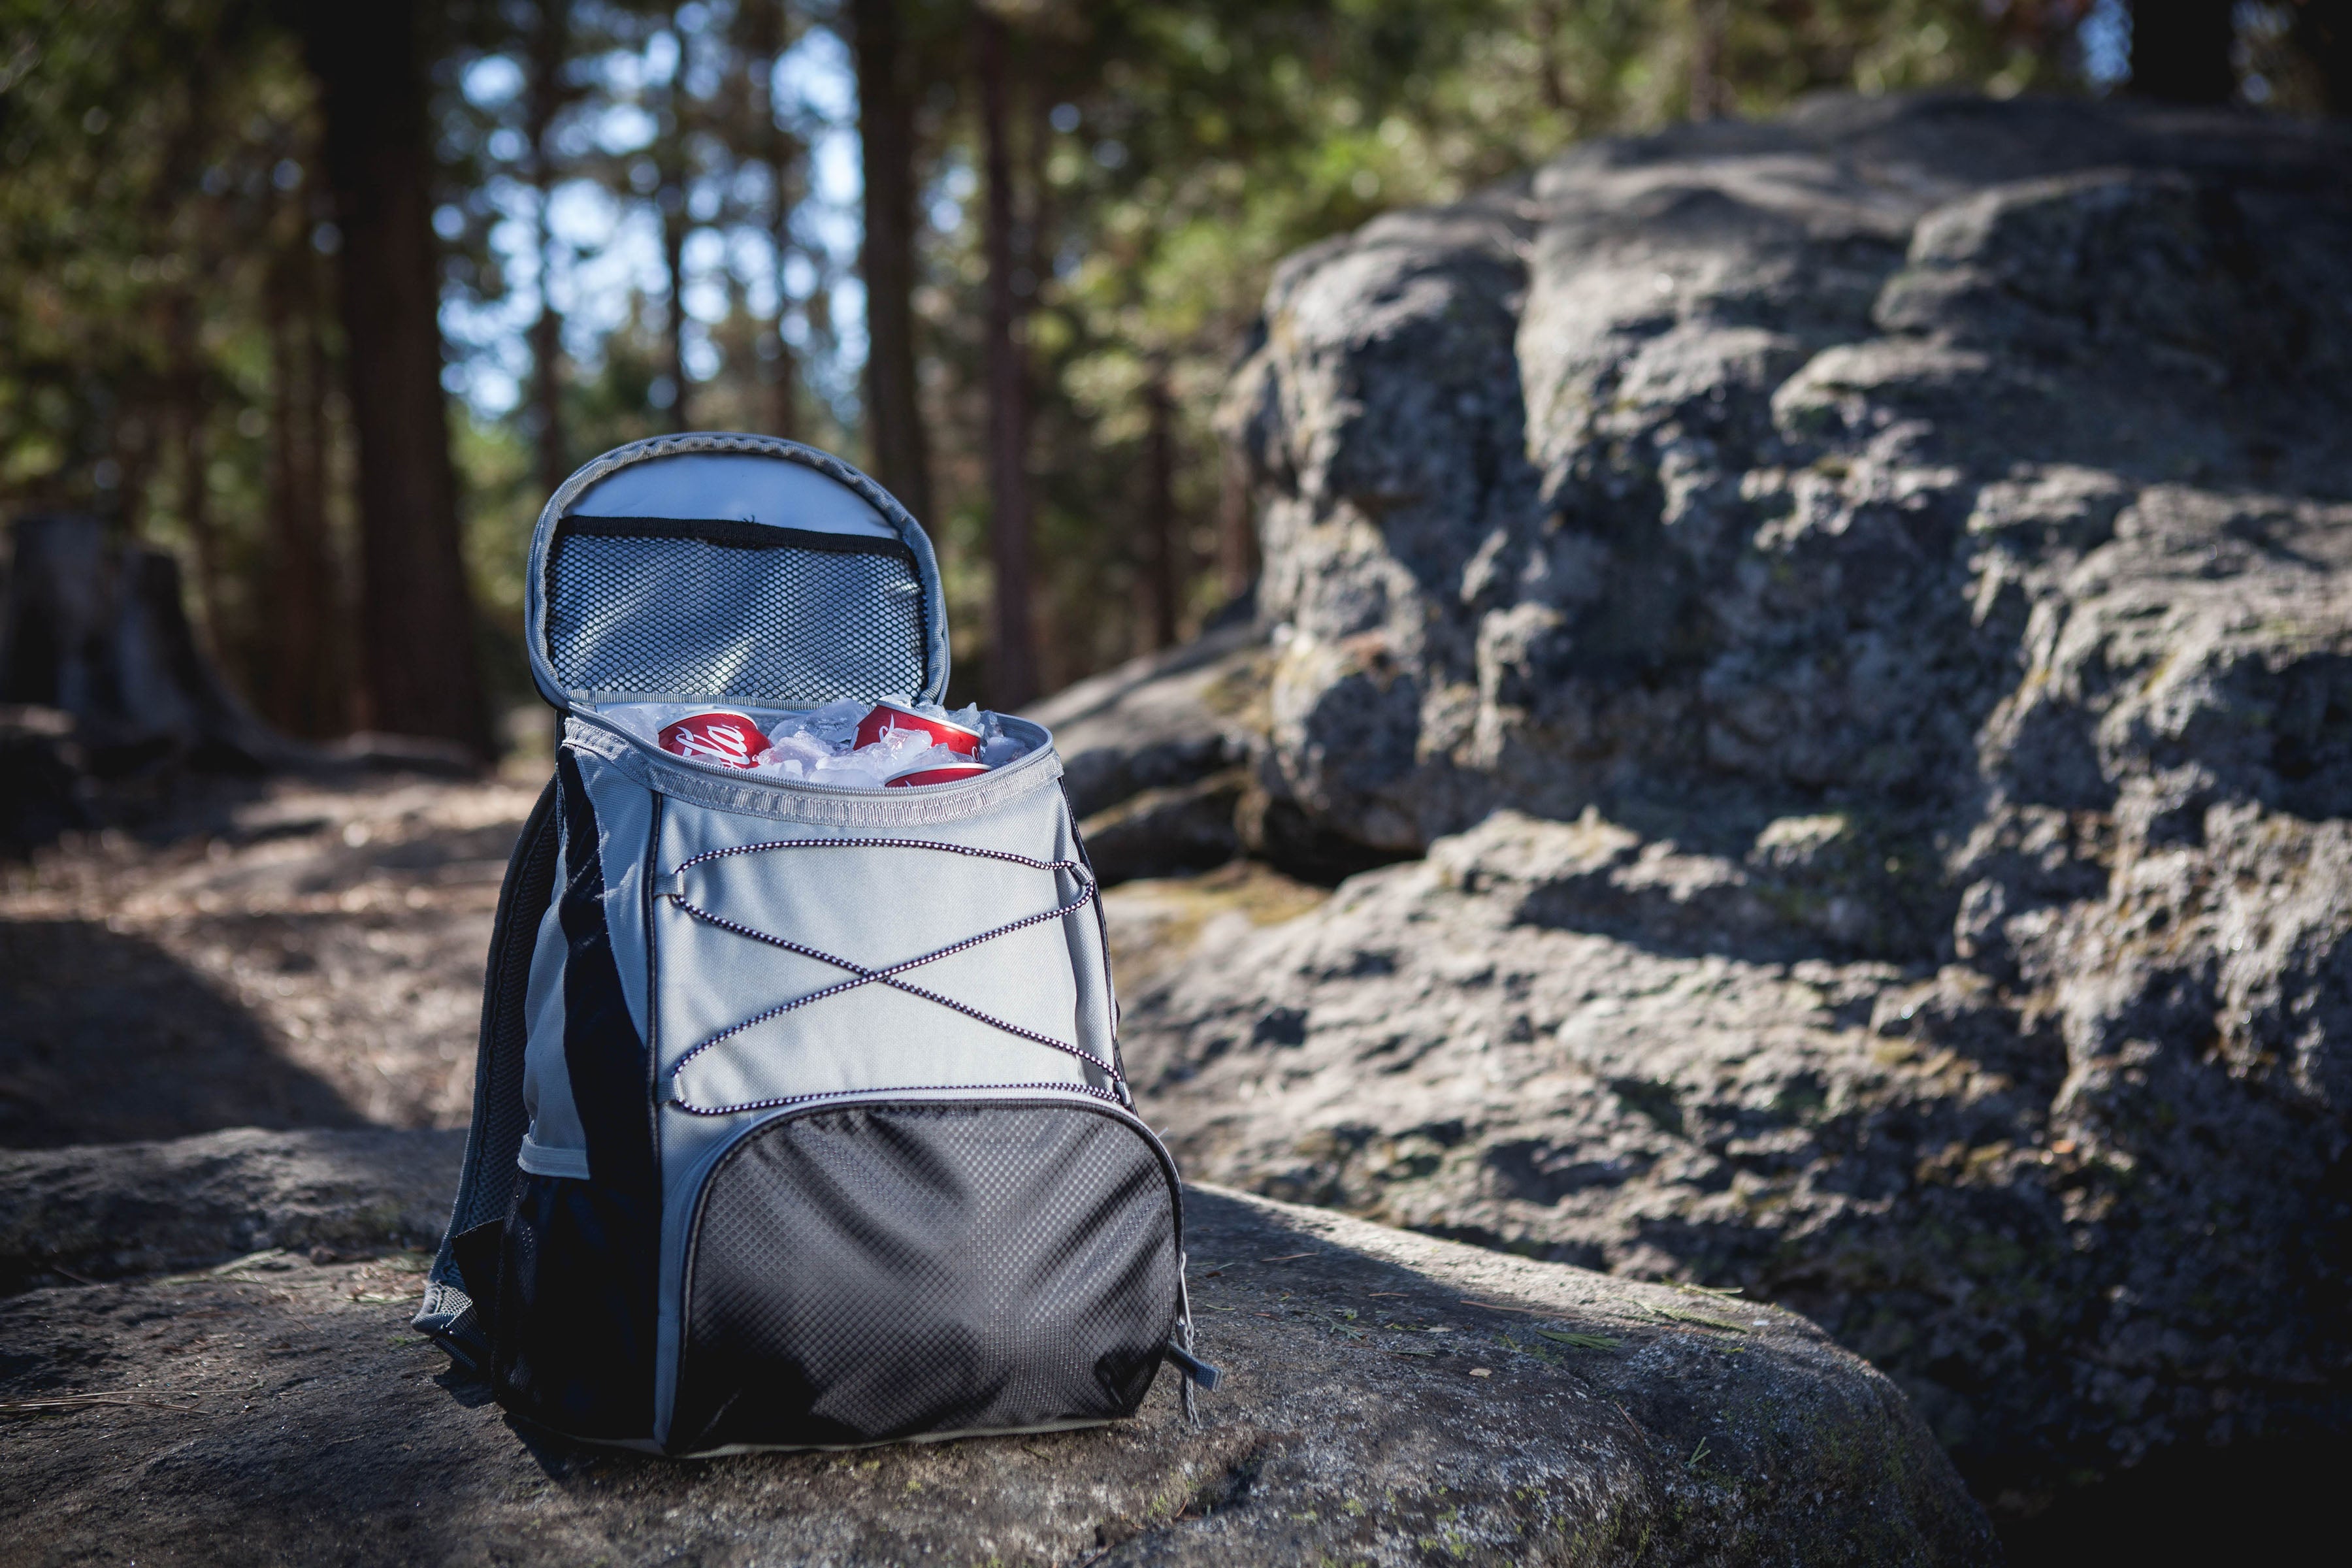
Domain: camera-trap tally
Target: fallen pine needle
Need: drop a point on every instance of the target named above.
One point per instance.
(121, 1398)
(1580, 1341)
(1286, 1258)
(1498, 1307)
(1700, 1320)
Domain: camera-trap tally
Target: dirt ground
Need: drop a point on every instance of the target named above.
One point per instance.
(310, 954)
(295, 954)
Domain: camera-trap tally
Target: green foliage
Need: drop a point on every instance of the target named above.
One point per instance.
(154, 173)
(157, 182)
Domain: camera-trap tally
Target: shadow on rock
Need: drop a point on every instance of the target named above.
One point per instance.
(106, 1038)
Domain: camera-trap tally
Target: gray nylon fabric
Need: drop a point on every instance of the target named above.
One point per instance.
(604, 468)
(500, 1119)
(753, 487)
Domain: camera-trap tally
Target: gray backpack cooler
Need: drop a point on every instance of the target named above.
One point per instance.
(799, 1118)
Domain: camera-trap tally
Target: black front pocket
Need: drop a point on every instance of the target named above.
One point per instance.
(884, 1271)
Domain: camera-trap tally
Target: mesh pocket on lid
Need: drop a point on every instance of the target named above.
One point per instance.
(735, 611)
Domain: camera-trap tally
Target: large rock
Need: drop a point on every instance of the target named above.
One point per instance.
(1739, 460)
(97, 1211)
(1892, 565)
(1160, 721)
(1391, 1399)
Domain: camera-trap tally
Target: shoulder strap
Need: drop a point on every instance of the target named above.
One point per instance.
(459, 1277)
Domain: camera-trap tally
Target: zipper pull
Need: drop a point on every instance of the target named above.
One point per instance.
(1194, 1369)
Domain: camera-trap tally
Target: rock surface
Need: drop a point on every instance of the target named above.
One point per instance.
(1160, 721)
(1894, 567)
(275, 1410)
(107, 1210)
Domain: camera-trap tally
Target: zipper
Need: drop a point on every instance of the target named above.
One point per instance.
(785, 1101)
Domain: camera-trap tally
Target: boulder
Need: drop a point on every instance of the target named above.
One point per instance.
(1729, 471)
(1164, 721)
(1390, 1399)
(1856, 613)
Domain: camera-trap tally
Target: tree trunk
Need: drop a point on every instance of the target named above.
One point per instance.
(98, 630)
(2321, 31)
(1710, 91)
(770, 32)
(2180, 50)
(300, 694)
(1012, 649)
(1237, 556)
(672, 202)
(550, 44)
(416, 625)
(1158, 566)
(670, 206)
(1550, 75)
(195, 459)
(885, 129)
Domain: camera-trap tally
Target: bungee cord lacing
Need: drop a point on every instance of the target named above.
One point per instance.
(888, 974)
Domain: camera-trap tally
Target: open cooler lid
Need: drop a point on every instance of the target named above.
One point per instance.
(730, 569)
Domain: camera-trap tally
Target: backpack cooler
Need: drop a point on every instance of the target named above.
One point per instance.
(799, 1118)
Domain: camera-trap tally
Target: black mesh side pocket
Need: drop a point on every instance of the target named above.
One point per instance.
(864, 1274)
(572, 1336)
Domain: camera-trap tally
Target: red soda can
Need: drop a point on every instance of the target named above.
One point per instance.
(729, 739)
(886, 717)
(938, 773)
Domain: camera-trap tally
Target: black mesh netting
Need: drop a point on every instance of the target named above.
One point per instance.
(500, 1116)
(733, 611)
(884, 1272)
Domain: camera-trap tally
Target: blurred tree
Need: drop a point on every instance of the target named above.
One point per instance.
(885, 127)
(549, 55)
(416, 642)
(625, 214)
(1013, 669)
(2321, 35)
(767, 35)
(2180, 50)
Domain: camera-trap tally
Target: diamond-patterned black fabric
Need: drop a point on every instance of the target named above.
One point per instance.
(880, 1272)
(731, 611)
